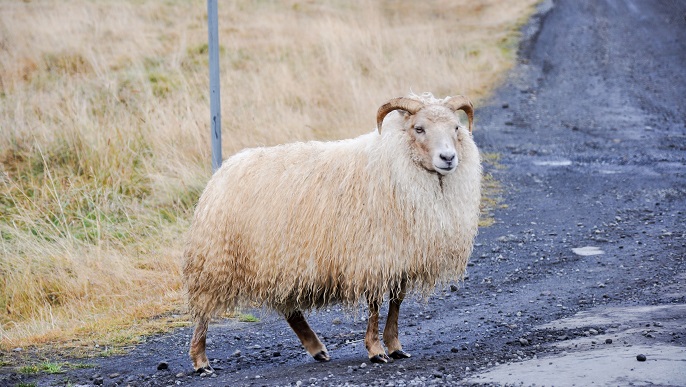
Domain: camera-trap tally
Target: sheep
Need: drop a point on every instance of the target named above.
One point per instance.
(304, 225)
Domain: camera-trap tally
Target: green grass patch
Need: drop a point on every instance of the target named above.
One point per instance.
(51, 368)
(46, 367)
(29, 369)
(247, 317)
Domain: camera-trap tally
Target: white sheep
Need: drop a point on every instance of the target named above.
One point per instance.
(304, 225)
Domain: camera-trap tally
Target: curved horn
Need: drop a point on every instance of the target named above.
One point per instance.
(460, 102)
(409, 105)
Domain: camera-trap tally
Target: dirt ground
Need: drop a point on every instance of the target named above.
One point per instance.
(584, 269)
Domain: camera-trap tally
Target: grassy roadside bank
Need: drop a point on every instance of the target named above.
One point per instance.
(104, 140)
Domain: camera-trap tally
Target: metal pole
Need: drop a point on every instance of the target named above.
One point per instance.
(215, 101)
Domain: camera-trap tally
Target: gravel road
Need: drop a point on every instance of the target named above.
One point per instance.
(585, 267)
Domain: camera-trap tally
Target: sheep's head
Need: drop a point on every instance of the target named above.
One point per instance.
(433, 130)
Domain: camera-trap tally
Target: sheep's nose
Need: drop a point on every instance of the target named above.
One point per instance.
(447, 157)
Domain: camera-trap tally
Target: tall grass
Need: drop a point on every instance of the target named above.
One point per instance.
(104, 127)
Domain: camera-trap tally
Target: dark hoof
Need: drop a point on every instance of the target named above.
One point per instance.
(322, 356)
(204, 370)
(400, 354)
(380, 359)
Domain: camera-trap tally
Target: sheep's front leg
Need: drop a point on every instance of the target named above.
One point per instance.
(307, 336)
(390, 332)
(197, 351)
(376, 351)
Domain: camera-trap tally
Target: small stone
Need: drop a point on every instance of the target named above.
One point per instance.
(363, 365)
(523, 341)
(236, 353)
(593, 331)
(454, 350)
(453, 288)
(114, 375)
(641, 357)
(336, 321)
(163, 365)
(608, 341)
(276, 354)
(587, 251)
(18, 349)
(180, 375)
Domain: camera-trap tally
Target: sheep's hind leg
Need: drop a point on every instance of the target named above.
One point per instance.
(197, 351)
(307, 336)
(376, 351)
(390, 332)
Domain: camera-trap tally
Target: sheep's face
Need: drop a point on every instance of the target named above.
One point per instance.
(435, 134)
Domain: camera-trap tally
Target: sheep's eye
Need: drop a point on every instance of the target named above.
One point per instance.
(419, 129)
(457, 128)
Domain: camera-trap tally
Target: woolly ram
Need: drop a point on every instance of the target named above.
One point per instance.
(300, 226)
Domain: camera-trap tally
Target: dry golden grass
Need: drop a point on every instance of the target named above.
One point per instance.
(104, 128)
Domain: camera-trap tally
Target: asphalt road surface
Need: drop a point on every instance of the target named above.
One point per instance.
(585, 267)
